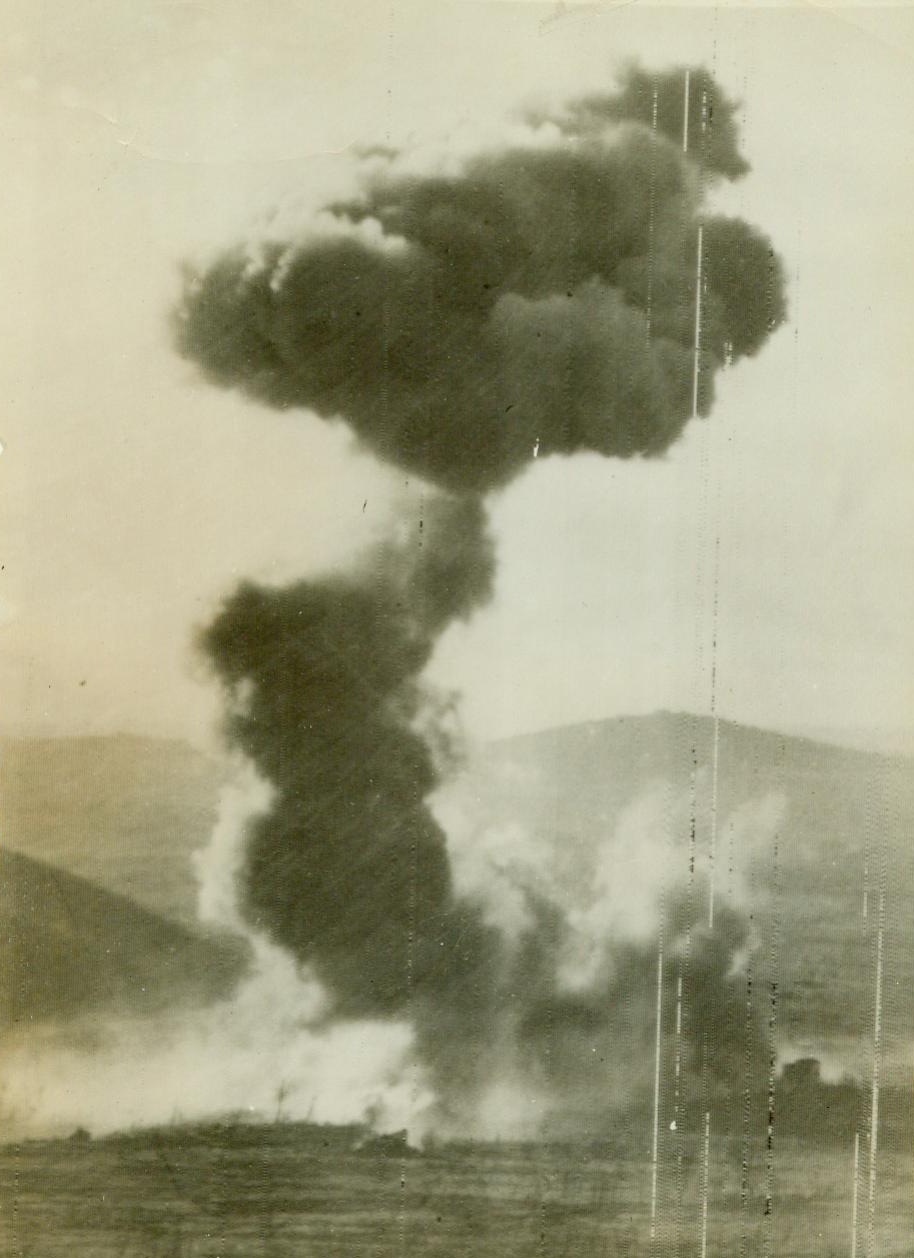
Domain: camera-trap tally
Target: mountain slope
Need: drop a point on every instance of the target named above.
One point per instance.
(125, 812)
(128, 813)
(70, 948)
(813, 831)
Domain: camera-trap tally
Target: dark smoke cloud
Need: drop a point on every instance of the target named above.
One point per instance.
(349, 868)
(542, 298)
(712, 129)
(540, 295)
(581, 1044)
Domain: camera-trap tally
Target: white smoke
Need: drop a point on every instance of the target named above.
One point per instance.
(611, 891)
(260, 1054)
(217, 865)
(267, 1051)
(272, 1050)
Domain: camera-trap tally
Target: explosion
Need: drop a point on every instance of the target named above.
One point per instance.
(539, 300)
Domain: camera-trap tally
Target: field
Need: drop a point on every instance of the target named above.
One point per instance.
(279, 1193)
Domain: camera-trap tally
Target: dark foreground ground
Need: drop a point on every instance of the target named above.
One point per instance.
(282, 1193)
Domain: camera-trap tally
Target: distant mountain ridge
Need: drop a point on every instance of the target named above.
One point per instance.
(128, 813)
(846, 830)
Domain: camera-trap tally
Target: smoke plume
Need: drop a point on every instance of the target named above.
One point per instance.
(543, 294)
(349, 868)
(540, 299)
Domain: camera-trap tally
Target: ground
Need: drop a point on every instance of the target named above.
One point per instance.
(279, 1192)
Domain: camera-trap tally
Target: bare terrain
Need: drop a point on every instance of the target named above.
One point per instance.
(295, 1191)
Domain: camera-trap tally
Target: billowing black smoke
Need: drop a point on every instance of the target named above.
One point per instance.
(703, 116)
(540, 300)
(544, 294)
(349, 869)
(592, 1050)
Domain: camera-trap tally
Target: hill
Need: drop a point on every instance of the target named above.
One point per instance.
(127, 813)
(837, 825)
(124, 812)
(73, 948)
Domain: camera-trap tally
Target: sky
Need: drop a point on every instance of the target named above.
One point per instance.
(764, 566)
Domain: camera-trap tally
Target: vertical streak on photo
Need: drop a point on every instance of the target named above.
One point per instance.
(715, 572)
(703, 494)
(696, 346)
(705, 1184)
(684, 962)
(677, 1115)
(655, 1139)
(715, 753)
(877, 1051)
(745, 1149)
(693, 820)
(868, 862)
(773, 961)
(651, 219)
(715, 722)
(856, 1193)
(699, 249)
(655, 1143)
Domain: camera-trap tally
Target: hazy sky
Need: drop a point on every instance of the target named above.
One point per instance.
(134, 495)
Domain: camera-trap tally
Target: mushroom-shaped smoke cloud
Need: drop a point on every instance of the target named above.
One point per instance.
(542, 297)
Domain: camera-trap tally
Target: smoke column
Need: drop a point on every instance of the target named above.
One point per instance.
(540, 299)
